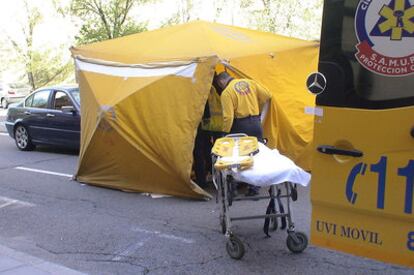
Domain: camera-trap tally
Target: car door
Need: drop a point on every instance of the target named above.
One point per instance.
(34, 116)
(363, 164)
(63, 121)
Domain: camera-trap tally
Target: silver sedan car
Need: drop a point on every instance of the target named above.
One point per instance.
(12, 93)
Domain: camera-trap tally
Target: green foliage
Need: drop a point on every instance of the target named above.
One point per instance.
(39, 66)
(295, 18)
(5, 53)
(246, 3)
(48, 68)
(106, 19)
(291, 18)
(173, 20)
(182, 15)
(93, 31)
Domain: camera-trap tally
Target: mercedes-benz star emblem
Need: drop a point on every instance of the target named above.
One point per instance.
(316, 83)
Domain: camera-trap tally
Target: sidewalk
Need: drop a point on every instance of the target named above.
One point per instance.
(14, 262)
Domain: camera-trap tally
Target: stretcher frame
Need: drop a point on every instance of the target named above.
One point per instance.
(225, 185)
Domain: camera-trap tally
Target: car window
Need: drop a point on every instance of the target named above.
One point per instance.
(61, 99)
(76, 95)
(40, 99)
(28, 102)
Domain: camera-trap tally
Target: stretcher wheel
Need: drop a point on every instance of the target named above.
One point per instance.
(297, 247)
(235, 248)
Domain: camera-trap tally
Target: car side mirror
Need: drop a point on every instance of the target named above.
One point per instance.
(68, 110)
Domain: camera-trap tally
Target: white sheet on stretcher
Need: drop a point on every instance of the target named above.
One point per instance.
(270, 167)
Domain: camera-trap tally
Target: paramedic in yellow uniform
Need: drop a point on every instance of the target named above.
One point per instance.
(242, 101)
(213, 123)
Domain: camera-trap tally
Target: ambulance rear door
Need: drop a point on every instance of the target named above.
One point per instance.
(362, 188)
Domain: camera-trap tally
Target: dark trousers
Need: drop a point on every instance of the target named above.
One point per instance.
(202, 157)
(202, 154)
(250, 126)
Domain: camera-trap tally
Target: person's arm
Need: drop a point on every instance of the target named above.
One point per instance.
(263, 96)
(264, 111)
(228, 111)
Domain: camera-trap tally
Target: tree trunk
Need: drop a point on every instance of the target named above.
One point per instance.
(31, 80)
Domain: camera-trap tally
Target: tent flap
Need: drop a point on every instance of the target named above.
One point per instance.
(143, 126)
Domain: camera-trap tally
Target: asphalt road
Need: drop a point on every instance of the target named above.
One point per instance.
(3, 114)
(103, 231)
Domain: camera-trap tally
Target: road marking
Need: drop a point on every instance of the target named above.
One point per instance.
(4, 134)
(164, 236)
(135, 246)
(5, 201)
(43, 171)
(129, 250)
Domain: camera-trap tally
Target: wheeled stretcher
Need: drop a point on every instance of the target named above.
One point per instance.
(238, 158)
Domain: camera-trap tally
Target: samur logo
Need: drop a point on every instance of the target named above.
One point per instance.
(385, 31)
(242, 87)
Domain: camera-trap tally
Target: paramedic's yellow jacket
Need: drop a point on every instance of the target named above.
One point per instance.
(242, 98)
(215, 122)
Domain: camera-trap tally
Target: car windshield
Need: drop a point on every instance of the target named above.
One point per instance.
(76, 95)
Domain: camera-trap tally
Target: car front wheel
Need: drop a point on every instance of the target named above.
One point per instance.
(22, 138)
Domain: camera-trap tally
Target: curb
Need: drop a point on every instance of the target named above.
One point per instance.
(15, 262)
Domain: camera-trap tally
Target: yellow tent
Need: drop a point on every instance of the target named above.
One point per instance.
(143, 96)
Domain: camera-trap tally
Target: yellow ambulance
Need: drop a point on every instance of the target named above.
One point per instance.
(363, 165)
